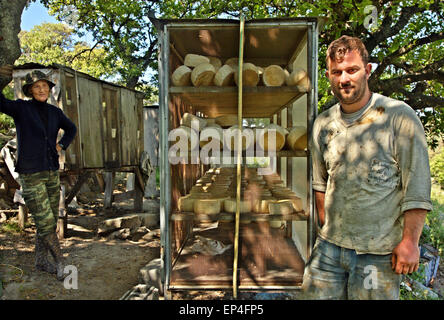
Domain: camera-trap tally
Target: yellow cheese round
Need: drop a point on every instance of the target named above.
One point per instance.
(181, 77)
(206, 206)
(203, 75)
(273, 76)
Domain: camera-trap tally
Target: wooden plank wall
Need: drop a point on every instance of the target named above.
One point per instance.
(128, 128)
(91, 122)
(73, 155)
(110, 107)
(140, 129)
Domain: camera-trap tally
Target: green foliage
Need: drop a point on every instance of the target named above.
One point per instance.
(437, 168)
(54, 43)
(433, 232)
(10, 227)
(6, 122)
(121, 26)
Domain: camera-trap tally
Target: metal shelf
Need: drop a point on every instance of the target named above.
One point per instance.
(258, 102)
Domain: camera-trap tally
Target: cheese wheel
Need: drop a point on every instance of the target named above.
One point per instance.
(227, 120)
(275, 144)
(304, 84)
(206, 206)
(250, 75)
(193, 60)
(230, 206)
(181, 77)
(187, 121)
(203, 75)
(295, 76)
(186, 204)
(224, 76)
(210, 134)
(297, 138)
(283, 207)
(297, 203)
(233, 62)
(261, 205)
(273, 76)
(231, 137)
(215, 61)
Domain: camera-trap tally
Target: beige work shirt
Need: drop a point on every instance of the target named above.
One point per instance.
(371, 170)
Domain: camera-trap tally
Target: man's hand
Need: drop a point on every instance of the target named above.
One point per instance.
(405, 257)
(58, 147)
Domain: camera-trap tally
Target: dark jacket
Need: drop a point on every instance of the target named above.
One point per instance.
(36, 145)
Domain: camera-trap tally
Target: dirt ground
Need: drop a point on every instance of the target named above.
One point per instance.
(106, 268)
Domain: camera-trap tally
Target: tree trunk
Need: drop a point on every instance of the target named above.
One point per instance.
(10, 19)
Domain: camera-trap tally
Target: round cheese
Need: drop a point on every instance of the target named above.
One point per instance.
(206, 206)
(297, 138)
(181, 77)
(193, 60)
(273, 76)
(250, 75)
(267, 133)
(224, 76)
(203, 75)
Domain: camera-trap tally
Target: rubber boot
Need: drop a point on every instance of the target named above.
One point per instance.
(41, 256)
(52, 242)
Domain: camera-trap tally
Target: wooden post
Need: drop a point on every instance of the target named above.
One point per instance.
(109, 186)
(62, 222)
(100, 181)
(139, 187)
(22, 216)
(76, 188)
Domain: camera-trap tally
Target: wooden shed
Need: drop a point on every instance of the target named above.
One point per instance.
(250, 252)
(110, 131)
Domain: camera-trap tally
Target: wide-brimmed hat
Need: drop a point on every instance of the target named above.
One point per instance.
(32, 78)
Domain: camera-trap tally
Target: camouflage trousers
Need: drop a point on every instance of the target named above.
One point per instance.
(41, 192)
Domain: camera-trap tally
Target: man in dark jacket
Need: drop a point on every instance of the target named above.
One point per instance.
(38, 124)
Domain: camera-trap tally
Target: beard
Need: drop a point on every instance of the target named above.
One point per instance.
(350, 93)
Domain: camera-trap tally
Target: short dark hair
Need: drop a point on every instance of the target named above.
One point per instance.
(344, 44)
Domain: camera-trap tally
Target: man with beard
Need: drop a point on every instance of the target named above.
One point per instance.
(371, 181)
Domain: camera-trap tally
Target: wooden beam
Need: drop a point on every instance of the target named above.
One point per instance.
(76, 188)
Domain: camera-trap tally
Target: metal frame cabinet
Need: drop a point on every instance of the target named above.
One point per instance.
(267, 41)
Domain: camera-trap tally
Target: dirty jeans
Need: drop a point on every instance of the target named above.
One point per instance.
(333, 273)
(41, 192)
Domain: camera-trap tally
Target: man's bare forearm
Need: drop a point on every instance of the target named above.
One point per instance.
(320, 199)
(413, 223)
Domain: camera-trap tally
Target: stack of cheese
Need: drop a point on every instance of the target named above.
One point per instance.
(206, 197)
(271, 138)
(200, 70)
(216, 192)
(197, 70)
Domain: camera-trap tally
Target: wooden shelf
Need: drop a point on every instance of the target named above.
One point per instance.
(269, 258)
(256, 217)
(258, 102)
